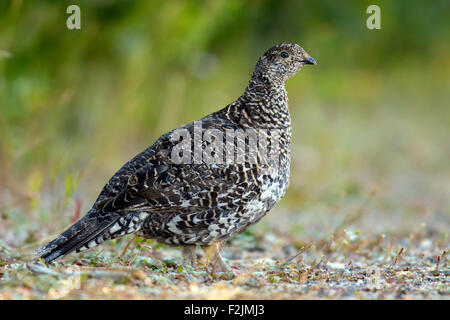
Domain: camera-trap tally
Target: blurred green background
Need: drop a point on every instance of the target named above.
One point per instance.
(371, 118)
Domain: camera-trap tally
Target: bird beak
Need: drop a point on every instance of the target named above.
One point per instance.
(310, 60)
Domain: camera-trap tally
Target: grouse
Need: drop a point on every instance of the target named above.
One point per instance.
(208, 180)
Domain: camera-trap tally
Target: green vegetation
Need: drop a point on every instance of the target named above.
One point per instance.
(370, 167)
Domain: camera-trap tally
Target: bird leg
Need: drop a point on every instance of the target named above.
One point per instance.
(189, 256)
(212, 255)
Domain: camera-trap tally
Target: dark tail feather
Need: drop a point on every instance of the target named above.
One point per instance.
(78, 235)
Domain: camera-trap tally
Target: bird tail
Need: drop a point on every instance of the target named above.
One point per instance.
(91, 230)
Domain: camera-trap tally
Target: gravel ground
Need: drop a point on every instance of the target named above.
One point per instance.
(352, 261)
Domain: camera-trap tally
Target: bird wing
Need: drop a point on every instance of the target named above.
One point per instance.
(165, 188)
(152, 182)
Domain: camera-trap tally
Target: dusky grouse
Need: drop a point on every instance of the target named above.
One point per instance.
(203, 182)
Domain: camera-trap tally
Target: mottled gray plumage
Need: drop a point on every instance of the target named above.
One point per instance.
(197, 204)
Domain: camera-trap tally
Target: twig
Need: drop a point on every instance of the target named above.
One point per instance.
(302, 249)
(320, 262)
(127, 246)
(77, 213)
(439, 260)
(349, 219)
(395, 260)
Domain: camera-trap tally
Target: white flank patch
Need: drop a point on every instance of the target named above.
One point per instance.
(172, 224)
(143, 215)
(214, 230)
(271, 189)
(197, 220)
(114, 228)
(255, 206)
(186, 204)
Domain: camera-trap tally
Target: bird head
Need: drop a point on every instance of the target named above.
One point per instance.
(281, 62)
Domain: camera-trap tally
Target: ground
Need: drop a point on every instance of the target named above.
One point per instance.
(268, 262)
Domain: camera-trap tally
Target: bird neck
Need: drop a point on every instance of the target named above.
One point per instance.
(264, 104)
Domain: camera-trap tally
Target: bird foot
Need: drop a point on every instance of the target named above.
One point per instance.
(214, 259)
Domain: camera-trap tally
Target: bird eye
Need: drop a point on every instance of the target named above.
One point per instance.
(284, 54)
